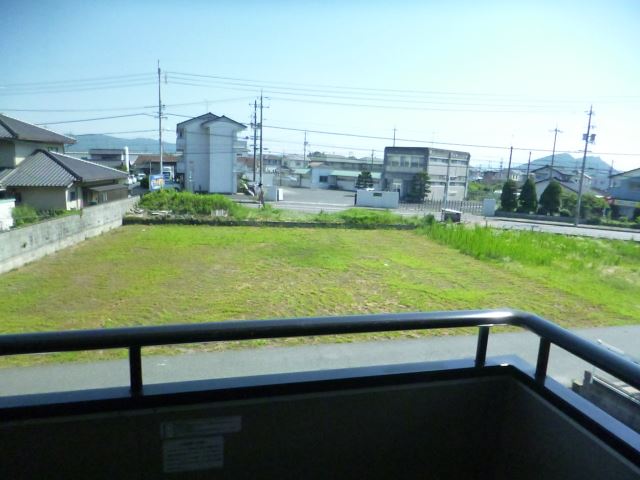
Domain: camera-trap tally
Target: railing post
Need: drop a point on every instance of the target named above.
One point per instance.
(543, 359)
(135, 370)
(481, 349)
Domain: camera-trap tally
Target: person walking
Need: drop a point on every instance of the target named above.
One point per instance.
(260, 195)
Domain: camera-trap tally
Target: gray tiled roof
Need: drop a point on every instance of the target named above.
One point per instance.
(38, 170)
(50, 169)
(19, 130)
(4, 133)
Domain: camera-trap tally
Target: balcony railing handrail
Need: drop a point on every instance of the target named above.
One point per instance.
(134, 338)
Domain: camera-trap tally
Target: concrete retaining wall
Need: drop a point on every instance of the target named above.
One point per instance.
(26, 244)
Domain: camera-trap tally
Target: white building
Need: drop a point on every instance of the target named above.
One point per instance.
(209, 146)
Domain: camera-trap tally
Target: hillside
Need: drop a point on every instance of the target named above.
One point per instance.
(594, 165)
(136, 145)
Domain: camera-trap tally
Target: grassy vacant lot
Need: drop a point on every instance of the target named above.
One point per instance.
(143, 275)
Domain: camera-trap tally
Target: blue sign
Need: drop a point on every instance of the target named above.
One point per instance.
(156, 182)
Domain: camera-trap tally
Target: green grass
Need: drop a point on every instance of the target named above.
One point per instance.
(604, 273)
(150, 275)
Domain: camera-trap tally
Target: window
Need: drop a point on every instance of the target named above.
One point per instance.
(72, 195)
(323, 179)
(52, 149)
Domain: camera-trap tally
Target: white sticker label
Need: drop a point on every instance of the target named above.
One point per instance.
(202, 426)
(189, 454)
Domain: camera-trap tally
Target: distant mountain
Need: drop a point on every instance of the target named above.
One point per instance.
(136, 145)
(595, 166)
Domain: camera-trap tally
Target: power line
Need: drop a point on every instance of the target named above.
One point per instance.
(374, 137)
(95, 118)
(288, 85)
(74, 89)
(76, 80)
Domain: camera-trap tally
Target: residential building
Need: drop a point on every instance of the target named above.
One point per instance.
(209, 145)
(110, 157)
(48, 180)
(625, 191)
(295, 161)
(448, 171)
(492, 176)
(146, 163)
(34, 171)
(569, 180)
(19, 139)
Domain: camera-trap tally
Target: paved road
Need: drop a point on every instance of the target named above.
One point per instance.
(582, 231)
(197, 366)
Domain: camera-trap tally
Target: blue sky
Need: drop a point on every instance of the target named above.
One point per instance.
(494, 73)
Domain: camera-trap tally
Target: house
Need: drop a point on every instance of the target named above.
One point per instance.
(569, 180)
(19, 139)
(401, 164)
(493, 176)
(561, 175)
(625, 191)
(146, 163)
(34, 171)
(48, 180)
(110, 157)
(209, 146)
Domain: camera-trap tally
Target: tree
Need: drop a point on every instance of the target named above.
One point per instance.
(550, 198)
(365, 180)
(509, 197)
(528, 197)
(420, 187)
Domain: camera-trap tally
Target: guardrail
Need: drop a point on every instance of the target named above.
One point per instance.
(135, 338)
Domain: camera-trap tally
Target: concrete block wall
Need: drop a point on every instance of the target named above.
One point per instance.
(26, 244)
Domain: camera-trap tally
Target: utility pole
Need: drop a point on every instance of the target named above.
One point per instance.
(588, 138)
(260, 137)
(255, 132)
(553, 152)
(528, 165)
(394, 136)
(304, 148)
(446, 185)
(610, 174)
(159, 122)
(372, 162)
(509, 167)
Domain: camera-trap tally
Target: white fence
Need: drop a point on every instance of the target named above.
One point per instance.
(436, 206)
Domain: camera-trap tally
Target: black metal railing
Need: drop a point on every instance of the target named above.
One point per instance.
(135, 338)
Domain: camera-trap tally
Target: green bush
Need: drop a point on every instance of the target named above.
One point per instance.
(360, 216)
(187, 203)
(24, 214)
